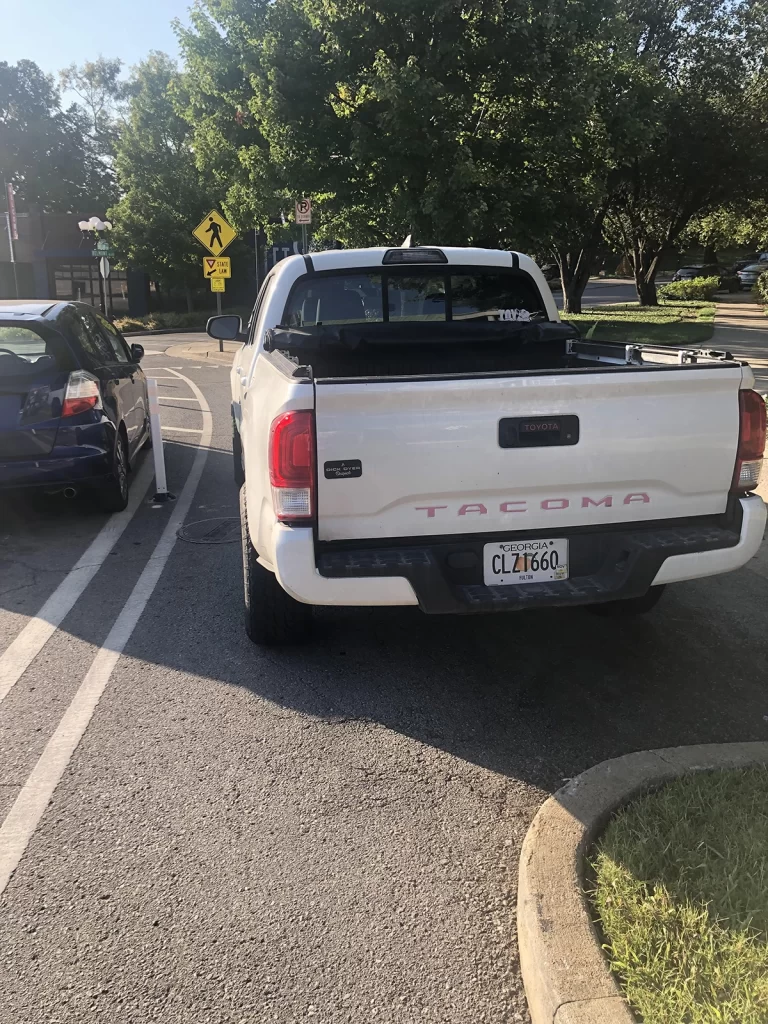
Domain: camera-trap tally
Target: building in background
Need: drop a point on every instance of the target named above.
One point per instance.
(54, 261)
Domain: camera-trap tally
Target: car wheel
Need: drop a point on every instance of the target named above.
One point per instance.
(272, 617)
(630, 606)
(114, 493)
(237, 457)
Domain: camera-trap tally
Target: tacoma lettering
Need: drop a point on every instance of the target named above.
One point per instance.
(548, 505)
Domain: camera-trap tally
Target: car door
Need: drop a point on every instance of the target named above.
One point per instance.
(117, 386)
(243, 363)
(138, 421)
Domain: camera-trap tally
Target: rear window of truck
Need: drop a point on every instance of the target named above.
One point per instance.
(413, 294)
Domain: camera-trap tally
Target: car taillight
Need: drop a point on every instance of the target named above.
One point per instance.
(82, 393)
(292, 466)
(749, 459)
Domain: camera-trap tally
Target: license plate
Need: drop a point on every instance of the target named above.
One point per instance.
(525, 561)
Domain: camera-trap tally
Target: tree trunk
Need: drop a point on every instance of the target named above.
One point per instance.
(574, 276)
(710, 254)
(645, 263)
(188, 297)
(646, 291)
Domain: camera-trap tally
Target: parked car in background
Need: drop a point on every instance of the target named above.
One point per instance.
(727, 278)
(73, 401)
(748, 275)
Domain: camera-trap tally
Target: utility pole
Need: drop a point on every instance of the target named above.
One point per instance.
(13, 231)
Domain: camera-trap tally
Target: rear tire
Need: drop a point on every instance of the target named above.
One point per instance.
(237, 457)
(272, 617)
(630, 606)
(113, 495)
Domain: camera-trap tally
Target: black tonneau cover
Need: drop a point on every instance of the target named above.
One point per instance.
(515, 334)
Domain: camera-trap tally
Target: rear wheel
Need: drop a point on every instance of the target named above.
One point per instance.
(272, 617)
(113, 495)
(629, 607)
(237, 456)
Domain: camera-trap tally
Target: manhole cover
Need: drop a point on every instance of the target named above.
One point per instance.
(211, 531)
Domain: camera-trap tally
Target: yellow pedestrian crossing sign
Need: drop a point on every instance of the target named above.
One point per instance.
(217, 266)
(214, 233)
(218, 284)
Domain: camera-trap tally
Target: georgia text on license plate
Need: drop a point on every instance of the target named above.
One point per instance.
(525, 561)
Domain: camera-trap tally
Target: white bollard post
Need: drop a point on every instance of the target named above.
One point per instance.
(161, 492)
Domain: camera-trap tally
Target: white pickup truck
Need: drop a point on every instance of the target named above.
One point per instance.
(415, 426)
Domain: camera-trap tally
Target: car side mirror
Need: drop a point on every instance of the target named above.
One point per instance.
(137, 353)
(226, 328)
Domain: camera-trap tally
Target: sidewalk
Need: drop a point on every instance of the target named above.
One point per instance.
(741, 327)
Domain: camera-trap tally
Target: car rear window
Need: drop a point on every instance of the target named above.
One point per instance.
(25, 350)
(412, 295)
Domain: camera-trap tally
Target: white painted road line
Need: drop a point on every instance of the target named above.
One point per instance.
(173, 398)
(27, 645)
(30, 804)
(183, 430)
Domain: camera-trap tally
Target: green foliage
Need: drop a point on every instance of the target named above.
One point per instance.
(500, 124)
(164, 194)
(441, 119)
(700, 288)
(761, 287)
(44, 150)
(680, 891)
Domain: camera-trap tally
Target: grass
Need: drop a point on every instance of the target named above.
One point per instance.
(681, 890)
(684, 323)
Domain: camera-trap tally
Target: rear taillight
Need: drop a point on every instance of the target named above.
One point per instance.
(81, 395)
(749, 459)
(292, 466)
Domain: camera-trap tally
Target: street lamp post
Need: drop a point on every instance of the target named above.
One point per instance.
(101, 252)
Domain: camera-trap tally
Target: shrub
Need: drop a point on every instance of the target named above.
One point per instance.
(702, 288)
(761, 287)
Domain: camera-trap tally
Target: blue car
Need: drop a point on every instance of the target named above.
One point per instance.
(73, 401)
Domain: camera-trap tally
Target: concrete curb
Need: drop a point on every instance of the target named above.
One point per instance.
(566, 976)
(203, 350)
(164, 330)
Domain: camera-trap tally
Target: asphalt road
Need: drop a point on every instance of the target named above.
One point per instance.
(328, 834)
(603, 292)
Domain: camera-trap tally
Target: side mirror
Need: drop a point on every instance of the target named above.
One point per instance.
(137, 353)
(225, 328)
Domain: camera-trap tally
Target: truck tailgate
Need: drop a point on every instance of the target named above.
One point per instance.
(421, 458)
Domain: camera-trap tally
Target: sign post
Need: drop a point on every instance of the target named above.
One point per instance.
(218, 285)
(216, 234)
(102, 252)
(304, 217)
(13, 231)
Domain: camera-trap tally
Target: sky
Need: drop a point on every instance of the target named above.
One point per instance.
(55, 33)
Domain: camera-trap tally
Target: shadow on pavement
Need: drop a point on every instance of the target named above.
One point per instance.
(536, 696)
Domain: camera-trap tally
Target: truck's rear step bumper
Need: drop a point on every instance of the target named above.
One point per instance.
(606, 565)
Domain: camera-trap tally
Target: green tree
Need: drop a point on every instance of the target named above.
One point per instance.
(44, 150)
(163, 194)
(405, 117)
(708, 144)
